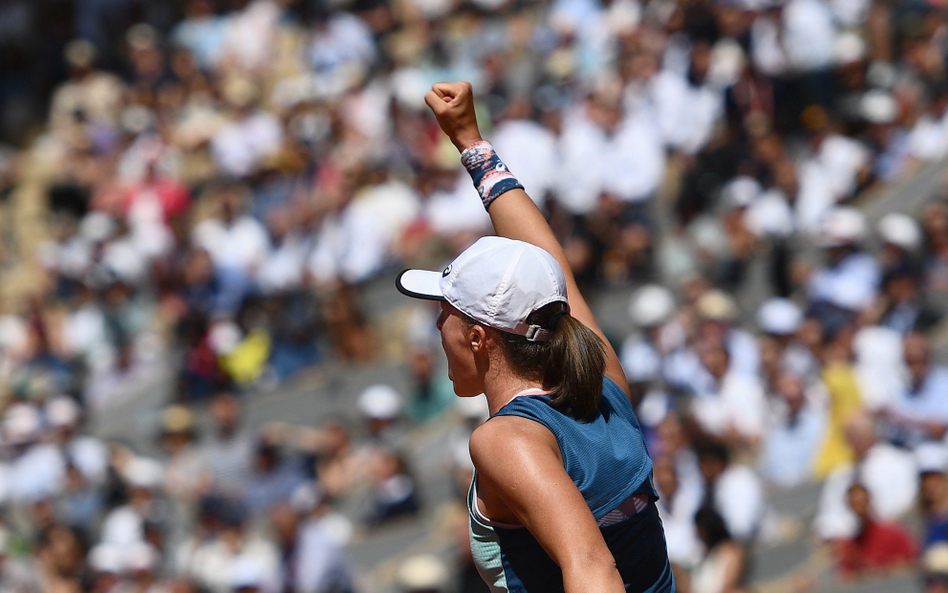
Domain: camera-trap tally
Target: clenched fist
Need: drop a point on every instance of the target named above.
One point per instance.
(453, 105)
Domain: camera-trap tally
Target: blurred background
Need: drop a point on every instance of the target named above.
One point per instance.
(209, 383)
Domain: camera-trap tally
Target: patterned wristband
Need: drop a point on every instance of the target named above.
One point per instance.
(489, 173)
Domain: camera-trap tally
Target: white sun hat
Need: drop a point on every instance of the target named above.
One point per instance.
(900, 230)
(779, 316)
(651, 305)
(496, 281)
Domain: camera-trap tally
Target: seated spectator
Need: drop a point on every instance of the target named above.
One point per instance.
(793, 436)
(889, 475)
(919, 414)
(850, 277)
(933, 493)
(733, 406)
(274, 477)
(723, 568)
(732, 490)
(877, 547)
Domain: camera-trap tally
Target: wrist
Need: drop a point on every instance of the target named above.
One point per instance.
(490, 175)
(465, 141)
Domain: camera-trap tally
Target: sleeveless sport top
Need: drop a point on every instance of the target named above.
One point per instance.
(607, 460)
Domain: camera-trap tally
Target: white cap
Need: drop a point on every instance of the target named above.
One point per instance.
(931, 458)
(849, 48)
(878, 107)
(142, 472)
(741, 191)
(779, 316)
(843, 226)
(107, 558)
(62, 411)
(424, 572)
(496, 281)
(716, 305)
(380, 401)
(21, 423)
(900, 230)
(651, 305)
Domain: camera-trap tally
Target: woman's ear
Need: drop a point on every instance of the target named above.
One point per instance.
(478, 337)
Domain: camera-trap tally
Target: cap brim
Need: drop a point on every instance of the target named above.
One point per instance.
(420, 284)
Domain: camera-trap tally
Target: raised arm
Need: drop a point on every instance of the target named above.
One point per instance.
(515, 215)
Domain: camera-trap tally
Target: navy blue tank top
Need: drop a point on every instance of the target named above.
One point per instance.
(607, 459)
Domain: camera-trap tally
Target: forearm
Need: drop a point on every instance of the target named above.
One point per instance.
(598, 577)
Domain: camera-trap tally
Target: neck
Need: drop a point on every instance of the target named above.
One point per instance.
(502, 390)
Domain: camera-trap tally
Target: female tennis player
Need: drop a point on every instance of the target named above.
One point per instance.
(562, 496)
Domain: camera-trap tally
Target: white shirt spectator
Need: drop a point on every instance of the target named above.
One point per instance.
(458, 210)
(634, 162)
(791, 443)
(320, 561)
(284, 265)
(243, 244)
(737, 401)
(879, 366)
(739, 498)
(530, 151)
(349, 246)
(851, 284)
(770, 215)
(926, 403)
(928, 140)
(36, 474)
(686, 114)
(808, 34)
(841, 158)
(891, 477)
(249, 36)
(241, 145)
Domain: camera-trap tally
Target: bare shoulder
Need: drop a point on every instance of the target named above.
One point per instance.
(510, 440)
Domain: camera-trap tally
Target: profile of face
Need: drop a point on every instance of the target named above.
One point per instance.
(459, 341)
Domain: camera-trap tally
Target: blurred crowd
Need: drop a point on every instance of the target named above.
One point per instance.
(220, 179)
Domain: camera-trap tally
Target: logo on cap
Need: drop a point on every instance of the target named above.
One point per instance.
(446, 271)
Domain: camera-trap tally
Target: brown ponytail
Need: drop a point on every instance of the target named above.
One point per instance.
(570, 364)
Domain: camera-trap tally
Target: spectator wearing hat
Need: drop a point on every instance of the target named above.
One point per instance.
(901, 238)
(86, 453)
(227, 453)
(780, 321)
(183, 468)
(717, 313)
(877, 547)
(141, 518)
(850, 277)
(919, 413)
(89, 96)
